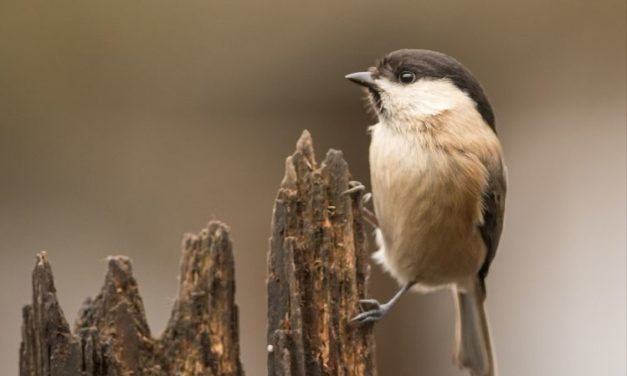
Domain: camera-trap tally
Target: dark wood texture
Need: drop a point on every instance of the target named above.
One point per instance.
(48, 346)
(203, 330)
(111, 336)
(317, 271)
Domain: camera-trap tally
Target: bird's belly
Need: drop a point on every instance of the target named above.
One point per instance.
(427, 214)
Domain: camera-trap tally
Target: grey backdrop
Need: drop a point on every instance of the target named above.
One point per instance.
(125, 124)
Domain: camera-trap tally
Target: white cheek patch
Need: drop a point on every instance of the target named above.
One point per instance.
(421, 99)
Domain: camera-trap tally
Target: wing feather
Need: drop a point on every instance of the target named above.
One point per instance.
(493, 211)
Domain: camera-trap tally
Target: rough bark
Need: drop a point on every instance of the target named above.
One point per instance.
(111, 335)
(317, 271)
(203, 330)
(48, 346)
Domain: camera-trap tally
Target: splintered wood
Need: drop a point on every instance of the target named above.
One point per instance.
(111, 335)
(317, 271)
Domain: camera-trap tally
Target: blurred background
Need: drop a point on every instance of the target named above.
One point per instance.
(124, 125)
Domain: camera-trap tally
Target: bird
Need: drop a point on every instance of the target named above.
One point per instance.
(438, 187)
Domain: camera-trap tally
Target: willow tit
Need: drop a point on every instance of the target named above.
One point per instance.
(438, 187)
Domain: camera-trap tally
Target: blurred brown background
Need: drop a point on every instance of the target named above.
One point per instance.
(125, 124)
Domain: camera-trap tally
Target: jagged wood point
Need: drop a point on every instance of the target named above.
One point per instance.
(111, 335)
(317, 271)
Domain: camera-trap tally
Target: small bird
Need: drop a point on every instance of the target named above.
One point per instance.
(438, 188)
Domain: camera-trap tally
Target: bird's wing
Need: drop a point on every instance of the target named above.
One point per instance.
(493, 210)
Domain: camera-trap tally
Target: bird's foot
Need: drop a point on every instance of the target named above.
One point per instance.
(358, 187)
(354, 186)
(379, 310)
(372, 315)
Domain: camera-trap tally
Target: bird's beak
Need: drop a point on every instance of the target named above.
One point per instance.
(363, 78)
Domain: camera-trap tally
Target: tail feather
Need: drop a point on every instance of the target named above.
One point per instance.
(473, 347)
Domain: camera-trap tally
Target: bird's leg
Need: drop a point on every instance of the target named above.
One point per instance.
(357, 187)
(380, 310)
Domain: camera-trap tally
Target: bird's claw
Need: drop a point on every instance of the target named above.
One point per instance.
(355, 187)
(372, 315)
(369, 302)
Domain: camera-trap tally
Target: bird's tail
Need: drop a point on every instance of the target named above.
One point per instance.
(473, 348)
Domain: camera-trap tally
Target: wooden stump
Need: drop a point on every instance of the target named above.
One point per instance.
(203, 331)
(111, 336)
(48, 346)
(317, 271)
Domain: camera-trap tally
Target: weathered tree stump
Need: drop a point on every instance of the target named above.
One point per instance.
(317, 271)
(48, 346)
(111, 336)
(203, 332)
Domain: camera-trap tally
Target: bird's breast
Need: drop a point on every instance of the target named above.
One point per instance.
(427, 200)
(416, 183)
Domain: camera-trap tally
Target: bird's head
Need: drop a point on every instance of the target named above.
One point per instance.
(409, 85)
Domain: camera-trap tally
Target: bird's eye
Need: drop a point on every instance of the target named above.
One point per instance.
(407, 77)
